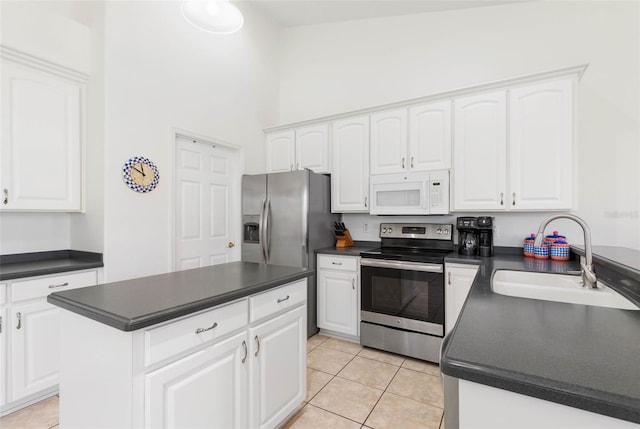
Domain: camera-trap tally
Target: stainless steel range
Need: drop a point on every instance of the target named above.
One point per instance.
(402, 282)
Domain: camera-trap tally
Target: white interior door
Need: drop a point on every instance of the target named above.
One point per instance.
(207, 212)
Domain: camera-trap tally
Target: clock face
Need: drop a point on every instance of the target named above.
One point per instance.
(140, 174)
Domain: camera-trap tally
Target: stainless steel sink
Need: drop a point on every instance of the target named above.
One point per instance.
(557, 287)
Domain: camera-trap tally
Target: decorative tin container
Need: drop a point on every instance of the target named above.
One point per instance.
(550, 239)
(528, 245)
(541, 252)
(560, 251)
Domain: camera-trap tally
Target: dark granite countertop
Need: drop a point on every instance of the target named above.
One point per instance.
(42, 263)
(360, 246)
(581, 356)
(133, 304)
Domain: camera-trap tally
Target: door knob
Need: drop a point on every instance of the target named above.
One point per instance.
(231, 244)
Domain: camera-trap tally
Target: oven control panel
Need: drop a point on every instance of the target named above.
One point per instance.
(431, 231)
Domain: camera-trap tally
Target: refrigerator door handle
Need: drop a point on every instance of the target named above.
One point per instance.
(261, 237)
(267, 232)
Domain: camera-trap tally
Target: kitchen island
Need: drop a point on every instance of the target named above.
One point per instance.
(221, 346)
(521, 362)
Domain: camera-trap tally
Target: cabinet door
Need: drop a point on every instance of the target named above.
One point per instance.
(479, 152)
(278, 374)
(389, 142)
(207, 389)
(41, 140)
(312, 148)
(457, 286)
(338, 301)
(541, 146)
(350, 177)
(281, 151)
(430, 137)
(34, 348)
(3, 356)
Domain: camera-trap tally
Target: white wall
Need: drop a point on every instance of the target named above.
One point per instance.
(33, 232)
(333, 68)
(163, 73)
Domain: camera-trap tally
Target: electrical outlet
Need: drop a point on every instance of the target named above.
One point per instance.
(365, 227)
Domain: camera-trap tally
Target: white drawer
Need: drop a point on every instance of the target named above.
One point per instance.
(43, 286)
(274, 300)
(343, 263)
(3, 293)
(178, 336)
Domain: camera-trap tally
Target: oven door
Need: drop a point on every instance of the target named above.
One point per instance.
(403, 295)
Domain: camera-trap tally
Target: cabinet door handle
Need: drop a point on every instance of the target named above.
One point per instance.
(353, 284)
(19, 317)
(258, 343)
(365, 201)
(246, 352)
(291, 168)
(449, 277)
(513, 203)
(201, 330)
(501, 198)
(336, 263)
(5, 191)
(411, 162)
(283, 299)
(60, 285)
(403, 162)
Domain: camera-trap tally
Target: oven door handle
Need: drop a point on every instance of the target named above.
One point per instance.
(412, 266)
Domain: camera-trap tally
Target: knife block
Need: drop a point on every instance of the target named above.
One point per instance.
(345, 240)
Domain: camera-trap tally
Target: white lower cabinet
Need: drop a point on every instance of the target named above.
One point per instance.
(205, 389)
(458, 281)
(29, 331)
(278, 368)
(339, 294)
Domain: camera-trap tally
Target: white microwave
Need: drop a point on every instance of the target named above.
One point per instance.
(415, 193)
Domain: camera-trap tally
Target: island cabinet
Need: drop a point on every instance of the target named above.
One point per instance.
(513, 149)
(237, 365)
(29, 331)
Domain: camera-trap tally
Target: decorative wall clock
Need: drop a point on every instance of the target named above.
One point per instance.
(140, 174)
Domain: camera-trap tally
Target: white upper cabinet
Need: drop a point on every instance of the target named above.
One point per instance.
(298, 149)
(350, 177)
(281, 151)
(430, 137)
(515, 160)
(389, 142)
(41, 147)
(541, 146)
(480, 152)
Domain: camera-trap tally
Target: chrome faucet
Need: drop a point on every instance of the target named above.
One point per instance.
(588, 274)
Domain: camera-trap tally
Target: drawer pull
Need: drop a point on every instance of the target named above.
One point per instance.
(258, 343)
(19, 317)
(246, 352)
(283, 299)
(201, 330)
(60, 285)
(336, 263)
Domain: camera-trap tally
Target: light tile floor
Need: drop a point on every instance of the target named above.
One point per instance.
(348, 386)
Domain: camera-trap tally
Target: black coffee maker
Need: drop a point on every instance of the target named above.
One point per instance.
(485, 235)
(467, 235)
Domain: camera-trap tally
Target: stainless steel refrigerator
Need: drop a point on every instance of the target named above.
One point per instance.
(286, 217)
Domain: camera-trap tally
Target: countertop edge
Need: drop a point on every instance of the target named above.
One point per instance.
(29, 263)
(46, 271)
(129, 325)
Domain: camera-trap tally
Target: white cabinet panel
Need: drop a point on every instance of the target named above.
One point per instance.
(3, 356)
(338, 301)
(389, 142)
(34, 348)
(541, 146)
(430, 136)
(42, 286)
(207, 389)
(350, 176)
(458, 281)
(341, 263)
(312, 148)
(480, 152)
(281, 151)
(278, 375)
(275, 300)
(41, 165)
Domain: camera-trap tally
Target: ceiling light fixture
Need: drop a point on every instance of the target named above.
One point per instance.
(213, 16)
